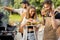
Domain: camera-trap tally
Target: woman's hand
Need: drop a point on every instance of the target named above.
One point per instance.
(34, 21)
(30, 20)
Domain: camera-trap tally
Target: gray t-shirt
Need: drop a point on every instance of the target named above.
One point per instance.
(20, 10)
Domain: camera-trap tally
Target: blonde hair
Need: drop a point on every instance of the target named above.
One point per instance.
(28, 15)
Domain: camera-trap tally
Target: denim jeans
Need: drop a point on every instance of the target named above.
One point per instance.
(30, 36)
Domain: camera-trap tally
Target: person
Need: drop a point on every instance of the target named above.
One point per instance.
(31, 17)
(58, 32)
(25, 5)
(57, 17)
(21, 11)
(49, 21)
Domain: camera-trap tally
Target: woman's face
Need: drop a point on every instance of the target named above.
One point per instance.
(32, 11)
(47, 6)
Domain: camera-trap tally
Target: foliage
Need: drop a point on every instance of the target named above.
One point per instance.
(56, 3)
(36, 3)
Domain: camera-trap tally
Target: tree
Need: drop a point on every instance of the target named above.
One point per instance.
(56, 3)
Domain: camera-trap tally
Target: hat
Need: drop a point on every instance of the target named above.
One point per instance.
(25, 2)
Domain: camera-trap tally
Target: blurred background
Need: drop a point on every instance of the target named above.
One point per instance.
(13, 17)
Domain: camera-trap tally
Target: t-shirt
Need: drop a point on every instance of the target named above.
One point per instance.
(20, 10)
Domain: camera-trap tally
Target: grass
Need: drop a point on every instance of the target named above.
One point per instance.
(17, 18)
(14, 18)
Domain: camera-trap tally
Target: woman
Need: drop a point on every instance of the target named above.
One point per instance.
(31, 17)
(49, 21)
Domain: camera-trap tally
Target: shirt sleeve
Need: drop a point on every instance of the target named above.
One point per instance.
(24, 21)
(20, 11)
(15, 10)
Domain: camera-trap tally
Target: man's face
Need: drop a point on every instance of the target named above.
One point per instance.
(24, 5)
(47, 6)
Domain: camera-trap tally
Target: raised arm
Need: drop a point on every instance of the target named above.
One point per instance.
(8, 8)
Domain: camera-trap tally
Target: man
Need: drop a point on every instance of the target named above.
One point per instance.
(22, 10)
(49, 21)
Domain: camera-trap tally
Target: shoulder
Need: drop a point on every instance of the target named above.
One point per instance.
(24, 18)
(22, 9)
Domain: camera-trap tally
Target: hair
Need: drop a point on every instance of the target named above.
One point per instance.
(25, 2)
(47, 2)
(28, 15)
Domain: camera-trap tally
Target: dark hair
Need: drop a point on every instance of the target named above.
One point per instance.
(25, 2)
(47, 2)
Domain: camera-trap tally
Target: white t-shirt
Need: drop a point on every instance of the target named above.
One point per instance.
(20, 10)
